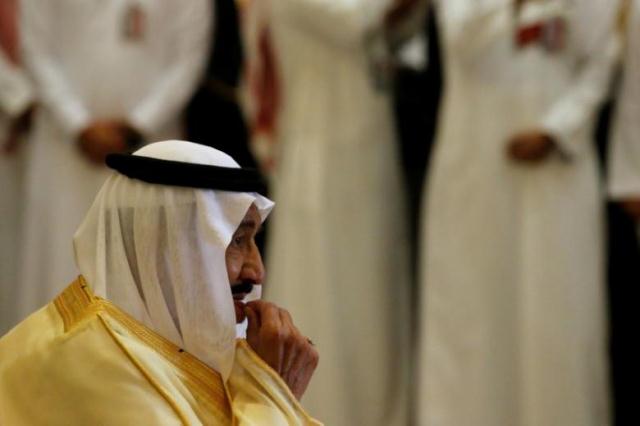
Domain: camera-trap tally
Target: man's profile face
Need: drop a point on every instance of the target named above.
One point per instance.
(244, 263)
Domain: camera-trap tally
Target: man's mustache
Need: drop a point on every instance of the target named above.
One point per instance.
(241, 288)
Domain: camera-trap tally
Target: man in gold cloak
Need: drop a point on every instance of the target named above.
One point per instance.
(146, 335)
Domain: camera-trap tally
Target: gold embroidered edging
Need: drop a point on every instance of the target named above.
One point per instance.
(73, 302)
(205, 383)
(163, 392)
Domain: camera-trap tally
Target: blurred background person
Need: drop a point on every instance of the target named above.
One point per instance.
(337, 251)
(214, 116)
(417, 87)
(513, 322)
(623, 160)
(109, 75)
(16, 105)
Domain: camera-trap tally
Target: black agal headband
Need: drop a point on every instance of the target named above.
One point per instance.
(177, 173)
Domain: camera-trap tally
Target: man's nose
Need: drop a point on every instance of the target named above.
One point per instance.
(253, 268)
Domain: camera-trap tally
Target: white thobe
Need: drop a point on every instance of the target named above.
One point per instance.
(513, 324)
(15, 97)
(624, 154)
(337, 253)
(86, 67)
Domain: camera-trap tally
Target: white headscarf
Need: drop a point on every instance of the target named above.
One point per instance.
(158, 253)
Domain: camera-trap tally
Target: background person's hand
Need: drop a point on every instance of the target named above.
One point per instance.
(530, 147)
(399, 10)
(100, 138)
(272, 335)
(632, 207)
(18, 128)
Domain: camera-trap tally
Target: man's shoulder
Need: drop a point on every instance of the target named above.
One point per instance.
(33, 334)
(80, 356)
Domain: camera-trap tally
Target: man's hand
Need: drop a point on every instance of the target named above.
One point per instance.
(632, 207)
(530, 147)
(101, 138)
(18, 128)
(398, 11)
(272, 335)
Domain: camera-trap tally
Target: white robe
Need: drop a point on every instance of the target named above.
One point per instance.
(16, 95)
(624, 154)
(513, 319)
(85, 68)
(336, 257)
